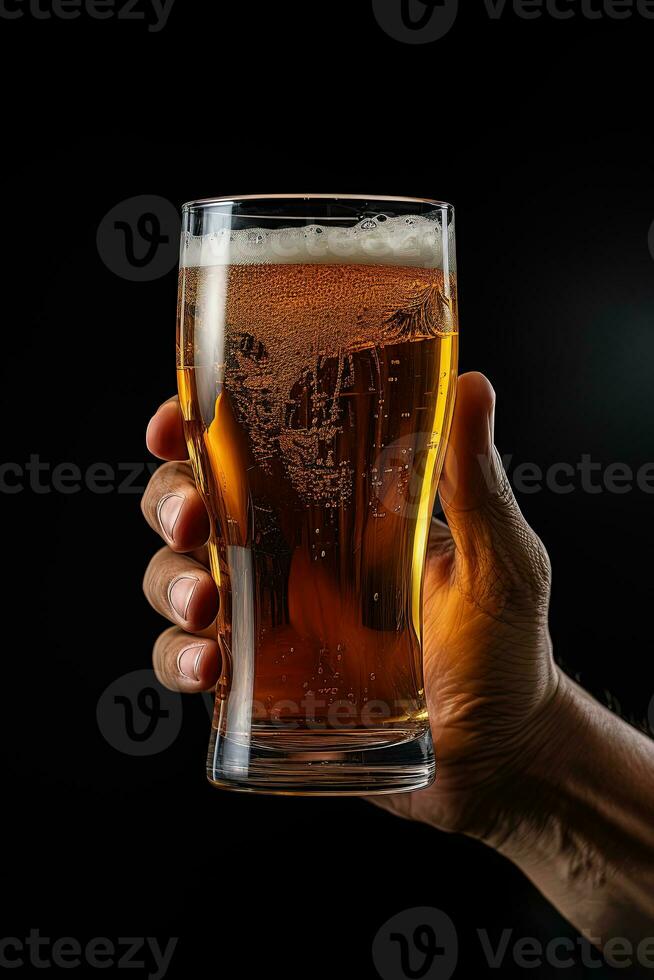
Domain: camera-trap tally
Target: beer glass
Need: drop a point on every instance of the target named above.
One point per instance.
(316, 356)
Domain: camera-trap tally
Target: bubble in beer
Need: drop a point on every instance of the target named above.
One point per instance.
(318, 329)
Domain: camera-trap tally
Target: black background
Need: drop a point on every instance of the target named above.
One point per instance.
(539, 131)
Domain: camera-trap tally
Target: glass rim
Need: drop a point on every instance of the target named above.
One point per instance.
(206, 202)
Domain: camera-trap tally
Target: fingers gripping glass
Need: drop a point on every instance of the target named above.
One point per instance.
(316, 356)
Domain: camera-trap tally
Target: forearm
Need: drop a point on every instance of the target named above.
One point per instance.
(582, 828)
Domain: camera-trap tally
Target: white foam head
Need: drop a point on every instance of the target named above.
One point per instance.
(407, 241)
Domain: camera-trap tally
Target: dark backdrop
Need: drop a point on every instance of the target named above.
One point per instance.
(539, 131)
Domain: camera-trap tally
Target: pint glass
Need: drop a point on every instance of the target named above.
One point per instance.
(316, 357)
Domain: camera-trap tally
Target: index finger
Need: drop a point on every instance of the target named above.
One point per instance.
(165, 433)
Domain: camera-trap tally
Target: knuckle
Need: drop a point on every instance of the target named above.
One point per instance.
(168, 478)
(506, 563)
(161, 658)
(526, 566)
(156, 667)
(154, 578)
(172, 474)
(150, 498)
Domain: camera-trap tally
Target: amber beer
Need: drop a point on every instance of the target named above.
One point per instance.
(317, 398)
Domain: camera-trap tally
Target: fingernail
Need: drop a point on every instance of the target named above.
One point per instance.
(188, 661)
(180, 594)
(168, 510)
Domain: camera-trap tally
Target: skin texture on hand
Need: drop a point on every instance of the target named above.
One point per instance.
(503, 716)
(489, 672)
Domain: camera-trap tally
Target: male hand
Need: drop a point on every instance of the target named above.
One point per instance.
(489, 674)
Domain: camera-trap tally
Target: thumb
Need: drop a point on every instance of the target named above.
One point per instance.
(496, 548)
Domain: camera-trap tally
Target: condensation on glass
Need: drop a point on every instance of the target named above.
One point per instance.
(316, 357)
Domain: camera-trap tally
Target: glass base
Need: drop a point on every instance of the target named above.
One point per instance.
(321, 763)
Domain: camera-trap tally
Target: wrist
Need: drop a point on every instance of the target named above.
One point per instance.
(527, 806)
(579, 821)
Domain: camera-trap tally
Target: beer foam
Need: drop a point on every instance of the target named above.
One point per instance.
(380, 240)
